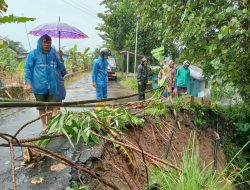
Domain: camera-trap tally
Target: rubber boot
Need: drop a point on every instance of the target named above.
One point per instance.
(98, 107)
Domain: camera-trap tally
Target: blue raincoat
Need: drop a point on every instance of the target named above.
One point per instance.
(41, 69)
(100, 77)
(61, 91)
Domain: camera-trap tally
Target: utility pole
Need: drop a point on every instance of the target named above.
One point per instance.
(127, 62)
(27, 33)
(136, 38)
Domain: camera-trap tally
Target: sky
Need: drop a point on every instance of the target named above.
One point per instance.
(81, 14)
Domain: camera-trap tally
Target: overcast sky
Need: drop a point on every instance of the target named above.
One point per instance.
(79, 13)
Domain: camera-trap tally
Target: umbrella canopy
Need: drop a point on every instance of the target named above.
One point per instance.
(58, 30)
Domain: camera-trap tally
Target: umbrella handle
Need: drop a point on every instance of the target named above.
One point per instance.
(59, 40)
(59, 35)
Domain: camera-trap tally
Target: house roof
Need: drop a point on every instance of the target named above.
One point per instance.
(130, 53)
(5, 39)
(196, 72)
(22, 56)
(2, 40)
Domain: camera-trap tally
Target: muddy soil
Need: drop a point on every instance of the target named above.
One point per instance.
(116, 168)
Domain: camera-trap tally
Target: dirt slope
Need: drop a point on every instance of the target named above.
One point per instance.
(115, 167)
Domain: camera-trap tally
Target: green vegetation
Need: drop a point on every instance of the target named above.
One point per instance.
(213, 35)
(78, 61)
(238, 116)
(236, 136)
(130, 82)
(158, 108)
(119, 23)
(8, 60)
(207, 33)
(10, 67)
(234, 128)
(192, 176)
(80, 125)
(76, 186)
(220, 91)
(11, 18)
(203, 116)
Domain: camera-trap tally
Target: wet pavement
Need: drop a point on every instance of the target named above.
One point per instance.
(12, 119)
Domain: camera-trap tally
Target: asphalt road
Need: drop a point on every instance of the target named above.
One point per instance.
(12, 119)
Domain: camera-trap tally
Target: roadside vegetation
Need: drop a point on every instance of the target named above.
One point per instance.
(90, 126)
(194, 176)
(131, 83)
(214, 35)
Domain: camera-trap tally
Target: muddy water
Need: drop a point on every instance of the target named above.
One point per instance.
(12, 119)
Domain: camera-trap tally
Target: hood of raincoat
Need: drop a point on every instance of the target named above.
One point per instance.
(40, 48)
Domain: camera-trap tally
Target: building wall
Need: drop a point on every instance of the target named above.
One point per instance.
(197, 88)
(193, 87)
(201, 89)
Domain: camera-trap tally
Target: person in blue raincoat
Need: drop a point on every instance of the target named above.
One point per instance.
(61, 91)
(100, 75)
(40, 69)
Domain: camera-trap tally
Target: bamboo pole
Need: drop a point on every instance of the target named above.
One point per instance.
(61, 104)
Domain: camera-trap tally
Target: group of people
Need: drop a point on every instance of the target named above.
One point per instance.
(173, 78)
(45, 71)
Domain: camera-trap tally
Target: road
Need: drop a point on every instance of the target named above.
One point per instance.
(12, 119)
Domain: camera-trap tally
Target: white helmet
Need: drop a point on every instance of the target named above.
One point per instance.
(186, 64)
(144, 59)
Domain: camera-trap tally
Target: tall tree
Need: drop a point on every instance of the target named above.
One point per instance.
(213, 34)
(119, 25)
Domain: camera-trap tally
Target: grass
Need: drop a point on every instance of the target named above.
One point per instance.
(77, 186)
(192, 175)
(130, 82)
(68, 80)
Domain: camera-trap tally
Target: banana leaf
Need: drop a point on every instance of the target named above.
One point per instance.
(158, 53)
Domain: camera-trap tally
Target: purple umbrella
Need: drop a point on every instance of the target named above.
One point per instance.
(58, 30)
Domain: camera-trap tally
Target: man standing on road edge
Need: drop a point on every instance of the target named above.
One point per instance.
(100, 74)
(142, 78)
(40, 69)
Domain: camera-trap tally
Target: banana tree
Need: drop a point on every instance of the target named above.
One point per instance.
(86, 58)
(72, 61)
(8, 60)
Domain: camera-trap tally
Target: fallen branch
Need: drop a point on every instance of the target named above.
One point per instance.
(7, 92)
(12, 156)
(28, 123)
(63, 160)
(144, 161)
(38, 138)
(138, 150)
